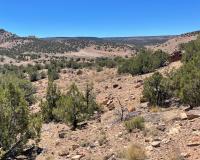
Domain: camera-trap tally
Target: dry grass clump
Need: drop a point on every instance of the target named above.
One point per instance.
(135, 152)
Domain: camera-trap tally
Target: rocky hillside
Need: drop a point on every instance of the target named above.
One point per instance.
(5, 36)
(171, 133)
(173, 44)
(12, 45)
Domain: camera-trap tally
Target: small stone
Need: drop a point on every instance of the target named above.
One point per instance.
(185, 155)
(74, 147)
(174, 131)
(109, 102)
(63, 153)
(77, 157)
(147, 140)
(21, 157)
(161, 127)
(156, 144)
(166, 140)
(120, 134)
(62, 135)
(183, 116)
(92, 145)
(115, 85)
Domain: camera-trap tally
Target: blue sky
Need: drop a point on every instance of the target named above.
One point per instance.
(101, 18)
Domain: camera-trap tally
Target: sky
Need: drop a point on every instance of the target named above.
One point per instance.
(99, 18)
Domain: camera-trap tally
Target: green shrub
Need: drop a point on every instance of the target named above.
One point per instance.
(17, 125)
(144, 62)
(156, 89)
(185, 82)
(52, 96)
(190, 49)
(70, 108)
(34, 76)
(25, 86)
(134, 123)
(74, 107)
(53, 73)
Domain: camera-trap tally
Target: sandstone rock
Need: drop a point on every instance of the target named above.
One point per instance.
(166, 140)
(183, 116)
(193, 114)
(144, 105)
(174, 131)
(194, 142)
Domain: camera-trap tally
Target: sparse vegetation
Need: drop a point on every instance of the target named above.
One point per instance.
(135, 152)
(134, 123)
(144, 62)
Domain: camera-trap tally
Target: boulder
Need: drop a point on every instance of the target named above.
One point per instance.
(195, 141)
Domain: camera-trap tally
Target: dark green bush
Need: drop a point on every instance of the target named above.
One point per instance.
(156, 89)
(70, 108)
(17, 124)
(144, 62)
(35, 76)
